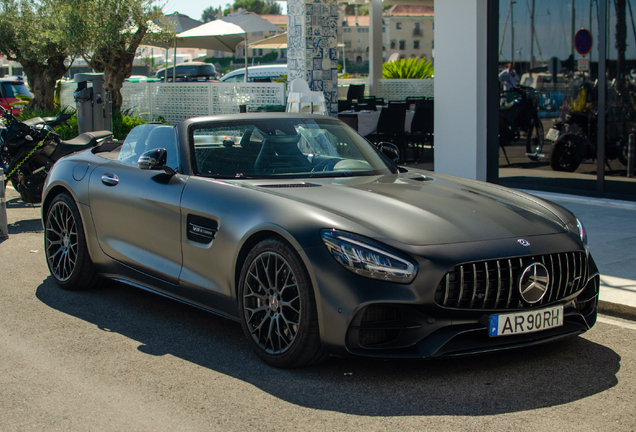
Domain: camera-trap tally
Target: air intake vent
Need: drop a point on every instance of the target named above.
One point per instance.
(201, 229)
(289, 185)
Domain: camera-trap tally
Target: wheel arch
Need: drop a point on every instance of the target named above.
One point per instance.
(254, 238)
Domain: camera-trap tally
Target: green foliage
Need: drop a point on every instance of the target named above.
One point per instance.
(66, 131)
(259, 7)
(412, 68)
(268, 58)
(210, 14)
(123, 123)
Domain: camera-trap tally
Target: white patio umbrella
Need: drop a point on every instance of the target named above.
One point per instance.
(226, 33)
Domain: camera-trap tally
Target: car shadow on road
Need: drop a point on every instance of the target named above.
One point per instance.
(511, 381)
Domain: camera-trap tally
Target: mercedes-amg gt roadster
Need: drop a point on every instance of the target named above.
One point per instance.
(317, 242)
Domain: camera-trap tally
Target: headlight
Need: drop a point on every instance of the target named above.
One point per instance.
(580, 230)
(368, 258)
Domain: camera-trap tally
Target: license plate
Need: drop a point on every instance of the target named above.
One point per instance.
(525, 322)
(552, 135)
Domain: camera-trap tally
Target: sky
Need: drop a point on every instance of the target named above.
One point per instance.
(194, 8)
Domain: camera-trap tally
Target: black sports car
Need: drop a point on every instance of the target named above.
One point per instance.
(317, 242)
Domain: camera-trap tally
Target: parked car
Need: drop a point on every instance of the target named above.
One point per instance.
(142, 79)
(14, 94)
(313, 239)
(191, 71)
(259, 73)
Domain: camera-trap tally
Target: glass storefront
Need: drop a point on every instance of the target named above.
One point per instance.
(552, 101)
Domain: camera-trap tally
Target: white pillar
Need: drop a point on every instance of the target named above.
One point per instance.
(460, 88)
(375, 46)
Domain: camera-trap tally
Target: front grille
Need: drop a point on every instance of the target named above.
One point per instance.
(495, 284)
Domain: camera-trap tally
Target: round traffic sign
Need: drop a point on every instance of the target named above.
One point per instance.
(583, 41)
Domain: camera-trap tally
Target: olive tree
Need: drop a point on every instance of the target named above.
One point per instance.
(35, 33)
(113, 30)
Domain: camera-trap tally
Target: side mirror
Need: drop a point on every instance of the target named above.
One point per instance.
(390, 150)
(155, 160)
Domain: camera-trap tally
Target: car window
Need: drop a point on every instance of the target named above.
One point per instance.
(235, 78)
(19, 91)
(148, 137)
(282, 147)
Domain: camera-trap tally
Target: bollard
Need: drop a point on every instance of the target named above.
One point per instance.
(631, 154)
(4, 233)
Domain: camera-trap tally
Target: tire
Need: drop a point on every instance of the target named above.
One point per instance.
(277, 306)
(65, 246)
(534, 139)
(565, 154)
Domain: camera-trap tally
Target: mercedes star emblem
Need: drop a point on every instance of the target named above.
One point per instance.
(523, 242)
(534, 282)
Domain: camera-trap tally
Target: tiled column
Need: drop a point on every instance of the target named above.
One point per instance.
(312, 52)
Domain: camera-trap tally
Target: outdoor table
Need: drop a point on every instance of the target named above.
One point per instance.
(368, 121)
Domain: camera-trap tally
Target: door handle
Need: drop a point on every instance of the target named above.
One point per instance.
(110, 179)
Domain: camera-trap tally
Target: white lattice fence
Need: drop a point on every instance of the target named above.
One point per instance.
(399, 89)
(175, 102)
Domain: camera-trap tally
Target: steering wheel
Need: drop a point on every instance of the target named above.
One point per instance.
(323, 165)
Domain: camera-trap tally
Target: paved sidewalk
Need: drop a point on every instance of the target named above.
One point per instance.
(611, 230)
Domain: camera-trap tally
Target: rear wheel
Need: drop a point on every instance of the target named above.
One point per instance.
(277, 306)
(565, 155)
(534, 139)
(65, 246)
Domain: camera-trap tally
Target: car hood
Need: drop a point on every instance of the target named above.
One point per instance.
(425, 210)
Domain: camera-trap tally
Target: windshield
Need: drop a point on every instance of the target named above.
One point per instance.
(289, 147)
(17, 90)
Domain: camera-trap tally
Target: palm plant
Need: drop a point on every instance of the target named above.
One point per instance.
(412, 68)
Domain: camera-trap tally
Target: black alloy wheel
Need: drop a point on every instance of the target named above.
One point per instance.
(65, 246)
(277, 306)
(534, 139)
(565, 155)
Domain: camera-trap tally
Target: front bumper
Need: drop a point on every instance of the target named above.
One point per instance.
(364, 317)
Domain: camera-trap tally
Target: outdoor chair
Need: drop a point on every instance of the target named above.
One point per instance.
(344, 105)
(422, 127)
(350, 119)
(391, 129)
(365, 107)
(403, 105)
(355, 92)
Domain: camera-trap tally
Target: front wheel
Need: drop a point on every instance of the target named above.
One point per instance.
(65, 246)
(534, 139)
(565, 154)
(277, 306)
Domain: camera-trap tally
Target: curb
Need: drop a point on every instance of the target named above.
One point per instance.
(617, 310)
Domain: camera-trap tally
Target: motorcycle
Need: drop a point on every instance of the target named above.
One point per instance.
(521, 116)
(28, 150)
(575, 139)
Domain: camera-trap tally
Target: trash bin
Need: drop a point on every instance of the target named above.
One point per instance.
(94, 105)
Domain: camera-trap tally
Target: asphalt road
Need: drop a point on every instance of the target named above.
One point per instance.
(121, 359)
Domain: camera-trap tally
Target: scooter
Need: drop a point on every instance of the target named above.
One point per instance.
(28, 150)
(575, 140)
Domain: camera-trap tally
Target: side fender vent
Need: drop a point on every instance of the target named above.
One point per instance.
(201, 229)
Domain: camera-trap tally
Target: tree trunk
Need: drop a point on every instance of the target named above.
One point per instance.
(621, 37)
(116, 64)
(42, 80)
